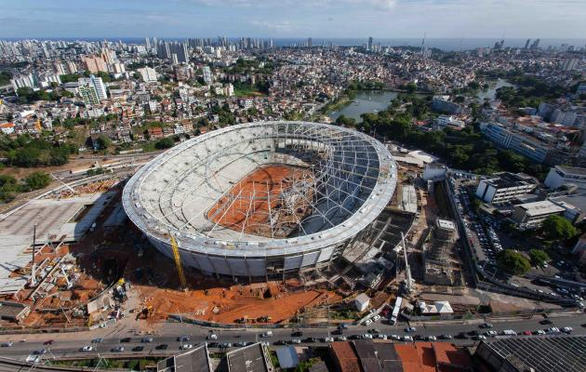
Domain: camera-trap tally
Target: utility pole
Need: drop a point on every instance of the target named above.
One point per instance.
(33, 265)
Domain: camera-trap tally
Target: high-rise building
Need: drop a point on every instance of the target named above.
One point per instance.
(369, 48)
(71, 67)
(535, 44)
(527, 43)
(147, 74)
(147, 43)
(86, 85)
(95, 64)
(207, 75)
(309, 43)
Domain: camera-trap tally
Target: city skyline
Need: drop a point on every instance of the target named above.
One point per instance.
(286, 19)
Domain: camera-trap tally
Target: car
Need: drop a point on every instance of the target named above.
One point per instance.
(567, 330)
(407, 338)
(212, 336)
(539, 332)
(240, 344)
(445, 337)
(226, 345)
(117, 349)
(138, 348)
(309, 340)
(342, 326)
(7, 344)
(527, 333)
(162, 347)
(486, 325)
(552, 330)
(410, 329)
(87, 348)
(146, 340)
(183, 338)
(479, 337)
(33, 358)
(355, 337)
(461, 336)
(508, 332)
(125, 339)
(297, 334)
(431, 338)
(185, 346)
(545, 322)
(213, 344)
(490, 333)
(376, 318)
(267, 334)
(329, 339)
(368, 322)
(374, 330)
(295, 341)
(381, 336)
(97, 340)
(49, 342)
(341, 338)
(419, 337)
(367, 336)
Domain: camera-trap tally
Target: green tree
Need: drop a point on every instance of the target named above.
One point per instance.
(538, 257)
(164, 143)
(103, 142)
(36, 180)
(558, 228)
(513, 262)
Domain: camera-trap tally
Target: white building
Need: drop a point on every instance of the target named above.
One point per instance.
(531, 215)
(207, 75)
(361, 302)
(563, 175)
(147, 74)
(505, 187)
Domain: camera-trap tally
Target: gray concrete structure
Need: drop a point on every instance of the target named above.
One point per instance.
(354, 179)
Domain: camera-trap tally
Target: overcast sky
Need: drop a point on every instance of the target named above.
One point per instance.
(294, 18)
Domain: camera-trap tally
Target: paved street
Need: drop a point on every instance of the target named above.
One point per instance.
(69, 345)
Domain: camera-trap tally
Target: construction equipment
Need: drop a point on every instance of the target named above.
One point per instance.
(177, 258)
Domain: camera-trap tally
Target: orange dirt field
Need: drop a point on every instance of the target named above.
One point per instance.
(261, 197)
(229, 305)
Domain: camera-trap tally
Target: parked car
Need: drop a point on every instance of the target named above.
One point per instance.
(146, 340)
(138, 348)
(117, 349)
(87, 348)
(162, 347)
(410, 329)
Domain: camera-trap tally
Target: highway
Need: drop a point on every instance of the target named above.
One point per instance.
(68, 345)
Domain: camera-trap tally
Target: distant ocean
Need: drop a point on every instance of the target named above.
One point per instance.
(444, 44)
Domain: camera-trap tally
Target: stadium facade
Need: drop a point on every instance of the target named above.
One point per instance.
(262, 199)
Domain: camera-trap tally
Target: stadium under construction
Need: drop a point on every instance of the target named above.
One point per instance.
(263, 199)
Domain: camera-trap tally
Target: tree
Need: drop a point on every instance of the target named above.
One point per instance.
(538, 257)
(103, 142)
(558, 228)
(164, 143)
(37, 180)
(513, 262)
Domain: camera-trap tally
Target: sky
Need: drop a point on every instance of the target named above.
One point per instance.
(294, 18)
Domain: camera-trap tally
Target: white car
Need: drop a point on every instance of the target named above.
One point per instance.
(186, 346)
(213, 336)
(368, 322)
(329, 339)
(407, 338)
(341, 338)
(295, 341)
(376, 318)
(87, 348)
(33, 358)
(567, 330)
(367, 335)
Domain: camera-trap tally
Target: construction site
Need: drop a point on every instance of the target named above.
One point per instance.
(74, 259)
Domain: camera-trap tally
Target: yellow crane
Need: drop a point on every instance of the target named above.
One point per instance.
(177, 258)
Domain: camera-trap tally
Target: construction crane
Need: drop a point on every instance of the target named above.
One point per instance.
(177, 258)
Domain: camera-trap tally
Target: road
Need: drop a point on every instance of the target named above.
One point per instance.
(69, 345)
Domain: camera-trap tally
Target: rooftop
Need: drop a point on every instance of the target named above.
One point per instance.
(540, 208)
